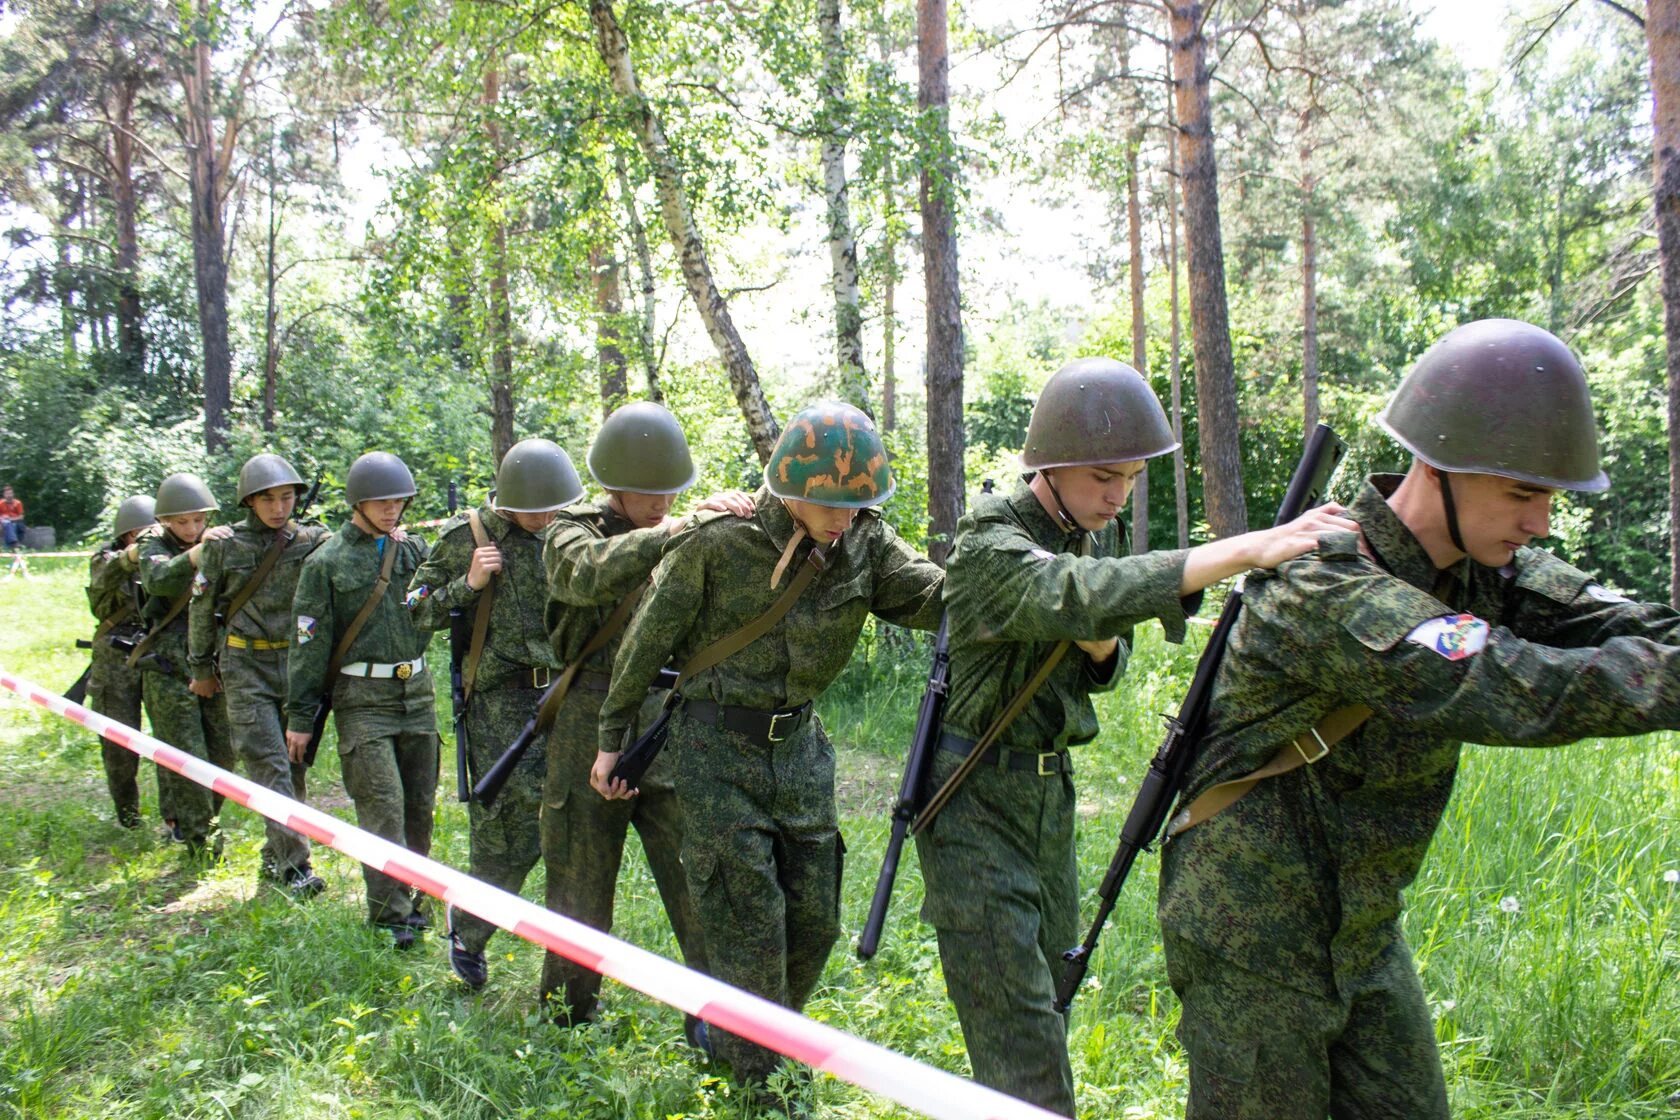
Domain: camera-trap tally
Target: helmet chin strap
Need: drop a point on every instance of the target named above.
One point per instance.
(1062, 514)
(1451, 511)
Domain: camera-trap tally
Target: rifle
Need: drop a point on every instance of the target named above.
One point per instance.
(1167, 770)
(460, 638)
(309, 497)
(77, 693)
(912, 789)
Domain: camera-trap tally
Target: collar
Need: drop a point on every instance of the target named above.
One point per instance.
(776, 521)
(1036, 520)
(351, 533)
(499, 526)
(1396, 548)
(612, 522)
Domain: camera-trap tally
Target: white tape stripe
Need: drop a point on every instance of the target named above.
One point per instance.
(930, 1091)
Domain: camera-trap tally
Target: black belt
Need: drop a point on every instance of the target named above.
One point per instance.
(526, 676)
(1043, 763)
(754, 723)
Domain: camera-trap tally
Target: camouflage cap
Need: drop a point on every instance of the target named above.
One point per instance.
(265, 471)
(1095, 411)
(830, 455)
(536, 476)
(183, 493)
(378, 476)
(1502, 397)
(134, 513)
(641, 448)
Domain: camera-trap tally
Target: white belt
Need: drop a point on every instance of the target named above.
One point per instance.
(402, 670)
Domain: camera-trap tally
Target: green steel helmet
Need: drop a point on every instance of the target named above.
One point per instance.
(830, 455)
(183, 493)
(641, 448)
(536, 476)
(1503, 397)
(376, 476)
(1095, 411)
(134, 513)
(264, 472)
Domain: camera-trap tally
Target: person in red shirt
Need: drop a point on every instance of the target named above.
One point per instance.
(11, 517)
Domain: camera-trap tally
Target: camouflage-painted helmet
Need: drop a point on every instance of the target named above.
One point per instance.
(377, 476)
(641, 448)
(536, 476)
(830, 455)
(183, 493)
(1503, 397)
(134, 513)
(264, 472)
(1095, 411)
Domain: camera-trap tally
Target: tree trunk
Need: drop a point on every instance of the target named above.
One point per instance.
(209, 240)
(501, 305)
(945, 436)
(889, 333)
(1662, 32)
(1216, 383)
(1181, 490)
(614, 49)
(1140, 341)
(609, 306)
(644, 272)
(842, 245)
(271, 309)
(1309, 287)
(131, 337)
(64, 274)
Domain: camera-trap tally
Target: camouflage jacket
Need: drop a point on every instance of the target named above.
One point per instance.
(714, 578)
(1016, 585)
(594, 558)
(1301, 879)
(112, 584)
(224, 568)
(336, 581)
(516, 637)
(166, 572)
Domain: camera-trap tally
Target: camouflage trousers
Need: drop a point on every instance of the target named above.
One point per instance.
(583, 846)
(114, 692)
(502, 840)
(1002, 890)
(254, 682)
(388, 751)
(200, 728)
(1260, 1049)
(763, 852)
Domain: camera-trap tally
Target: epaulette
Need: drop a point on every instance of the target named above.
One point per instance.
(1341, 545)
(704, 517)
(457, 521)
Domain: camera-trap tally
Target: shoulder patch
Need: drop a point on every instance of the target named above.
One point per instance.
(199, 583)
(305, 629)
(412, 599)
(1453, 636)
(1603, 594)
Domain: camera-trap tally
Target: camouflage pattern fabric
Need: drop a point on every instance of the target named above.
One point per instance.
(1300, 881)
(503, 844)
(113, 688)
(194, 725)
(594, 558)
(761, 844)
(254, 680)
(998, 863)
(387, 728)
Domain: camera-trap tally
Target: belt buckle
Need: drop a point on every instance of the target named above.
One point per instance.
(1042, 755)
(405, 670)
(771, 736)
(1323, 748)
(541, 676)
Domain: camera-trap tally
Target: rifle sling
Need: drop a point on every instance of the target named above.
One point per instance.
(481, 617)
(737, 640)
(615, 622)
(362, 616)
(271, 556)
(116, 619)
(145, 644)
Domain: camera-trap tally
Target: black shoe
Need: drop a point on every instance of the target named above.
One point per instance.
(417, 922)
(303, 883)
(128, 818)
(402, 934)
(175, 834)
(699, 1035)
(469, 964)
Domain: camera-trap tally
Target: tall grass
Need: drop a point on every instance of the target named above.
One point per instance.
(133, 988)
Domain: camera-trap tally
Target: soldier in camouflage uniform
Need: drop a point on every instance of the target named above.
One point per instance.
(187, 714)
(516, 663)
(598, 554)
(252, 657)
(1044, 565)
(113, 688)
(1280, 898)
(382, 696)
(754, 770)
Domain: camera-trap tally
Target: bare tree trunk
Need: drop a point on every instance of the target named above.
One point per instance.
(685, 236)
(1181, 489)
(1662, 32)
(842, 245)
(889, 283)
(1309, 284)
(501, 305)
(1216, 382)
(271, 309)
(64, 273)
(644, 272)
(131, 337)
(1140, 341)
(609, 306)
(945, 436)
(209, 240)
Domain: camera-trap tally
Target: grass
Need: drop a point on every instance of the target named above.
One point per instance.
(1548, 939)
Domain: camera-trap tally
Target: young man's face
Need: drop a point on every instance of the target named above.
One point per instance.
(186, 527)
(644, 511)
(382, 515)
(826, 524)
(1094, 496)
(1497, 516)
(274, 505)
(531, 522)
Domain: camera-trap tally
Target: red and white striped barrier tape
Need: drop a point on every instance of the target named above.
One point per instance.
(26, 554)
(913, 1084)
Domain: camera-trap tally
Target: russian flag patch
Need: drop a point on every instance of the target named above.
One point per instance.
(1453, 636)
